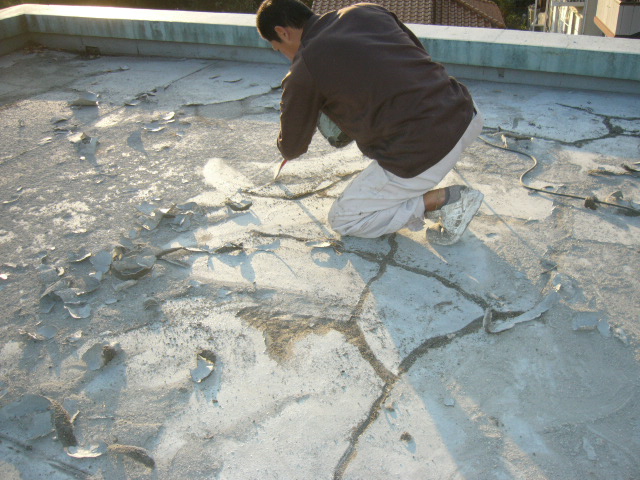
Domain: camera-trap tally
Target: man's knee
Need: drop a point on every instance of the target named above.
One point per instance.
(360, 225)
(338, 222)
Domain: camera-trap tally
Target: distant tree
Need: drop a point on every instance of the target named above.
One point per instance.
(514, 13)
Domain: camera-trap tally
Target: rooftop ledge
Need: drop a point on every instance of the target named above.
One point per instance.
(535, 58)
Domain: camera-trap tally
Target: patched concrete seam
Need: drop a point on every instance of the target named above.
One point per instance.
(613, 131)
(387, 389)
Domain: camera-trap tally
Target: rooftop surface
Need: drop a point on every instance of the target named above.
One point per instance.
(170, 312)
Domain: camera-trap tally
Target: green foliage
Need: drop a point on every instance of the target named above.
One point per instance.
(514, 12)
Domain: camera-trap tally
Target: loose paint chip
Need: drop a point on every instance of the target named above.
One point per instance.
(85, 284)
(47, 274)
(85, 99)
(80, 256)
(152, 218)
(47, 331)
(206, 364)
(146, 208)
(47, 304)
(239, 205)
(151, 304)
(545, 304)
(92, 451)
(79, 311)
(69, 296)
(337, 245)
(101, 261)
(75, 336)
(589, 321)
(181, 222)
(133, 267)
(154, 129)
(100, 354)
(31, 336)
(124, 285)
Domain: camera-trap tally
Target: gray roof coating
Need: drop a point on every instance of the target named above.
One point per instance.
(236, 336)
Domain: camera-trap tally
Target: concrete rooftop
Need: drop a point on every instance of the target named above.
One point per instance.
(235, 336)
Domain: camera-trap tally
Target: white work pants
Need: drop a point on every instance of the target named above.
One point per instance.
(377, 202)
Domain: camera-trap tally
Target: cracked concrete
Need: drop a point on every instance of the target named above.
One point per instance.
(330, 357)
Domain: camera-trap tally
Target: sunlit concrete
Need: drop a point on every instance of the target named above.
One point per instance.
(260, 344)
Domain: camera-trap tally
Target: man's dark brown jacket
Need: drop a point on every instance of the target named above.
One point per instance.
(370, 74)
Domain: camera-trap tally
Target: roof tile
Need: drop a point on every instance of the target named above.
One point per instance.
(459, 13)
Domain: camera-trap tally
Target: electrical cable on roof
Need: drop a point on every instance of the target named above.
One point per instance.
(589, 202)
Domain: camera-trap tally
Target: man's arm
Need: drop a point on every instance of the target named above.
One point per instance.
(299, 110)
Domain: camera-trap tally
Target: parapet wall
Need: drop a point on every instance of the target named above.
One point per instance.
(535, 58)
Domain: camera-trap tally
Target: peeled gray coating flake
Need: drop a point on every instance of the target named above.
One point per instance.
(85, 99)
(91, 452)
(133, 267)
(85, 284)
(79, 311)
(101, 261)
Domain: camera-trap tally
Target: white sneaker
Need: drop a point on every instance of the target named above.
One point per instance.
(453, 218)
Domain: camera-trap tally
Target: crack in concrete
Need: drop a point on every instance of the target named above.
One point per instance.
(282, 330)
(421, 350)
(355, 336)
(447, 283)
(613, 130)
(387, 389)
(362, 344)
(406, 364)
(301, 195)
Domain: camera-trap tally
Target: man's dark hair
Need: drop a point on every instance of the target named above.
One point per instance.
(280, 13)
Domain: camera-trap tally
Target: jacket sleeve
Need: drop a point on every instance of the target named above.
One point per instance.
(299, 110)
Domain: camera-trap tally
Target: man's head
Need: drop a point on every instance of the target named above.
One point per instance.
(280, 22)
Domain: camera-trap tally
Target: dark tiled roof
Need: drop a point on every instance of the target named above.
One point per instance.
(458, 13)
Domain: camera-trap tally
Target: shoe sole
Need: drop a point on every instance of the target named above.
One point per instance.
(471, 203)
